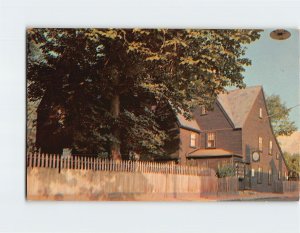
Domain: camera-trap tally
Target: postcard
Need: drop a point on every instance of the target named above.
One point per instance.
(162, 114)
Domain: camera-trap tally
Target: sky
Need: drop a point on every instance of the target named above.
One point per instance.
(275, 66)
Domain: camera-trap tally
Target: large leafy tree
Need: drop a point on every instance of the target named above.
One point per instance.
(279, 115)
(293, 163)
(112, 89)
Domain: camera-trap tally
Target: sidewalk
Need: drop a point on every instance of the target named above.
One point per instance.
(257, 196)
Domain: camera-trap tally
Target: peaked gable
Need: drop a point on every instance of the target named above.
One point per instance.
(238, 103)
(188, 124)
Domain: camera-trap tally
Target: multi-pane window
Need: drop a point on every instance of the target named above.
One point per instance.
(260, 143)
(270, 147)
(193, 140)
(203, 110)
(211, 140)
(270, 176)
(253, 172)
(260, 113)
(259, 175)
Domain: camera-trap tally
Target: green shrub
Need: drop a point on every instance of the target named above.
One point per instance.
(225, 171)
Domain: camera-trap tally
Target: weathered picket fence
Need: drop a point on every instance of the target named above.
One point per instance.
(290, 186)
(286, 186)
(82, 178)
(98, 164)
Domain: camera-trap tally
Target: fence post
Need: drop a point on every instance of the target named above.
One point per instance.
(58, 162)
(85, 162)
(38, 159)
(68, 162)
(43, 160)
(50, 161)
(53, 160)
(71, 162)
(46, 161)
(30, 159)
(34, 160)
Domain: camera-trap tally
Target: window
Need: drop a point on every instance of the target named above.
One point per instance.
(259, 175)
(279, 175)
(211, 140)
(277, 155)
(270, 147)
(286, 176)
(270, 176)
(203, 110)
(260, 143)
(253, 172)
(193, 140)
(260, 113)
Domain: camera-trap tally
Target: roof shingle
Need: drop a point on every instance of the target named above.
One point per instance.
(238, 103)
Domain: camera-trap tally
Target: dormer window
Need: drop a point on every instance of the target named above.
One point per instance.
(203, 110)
(211, 140)
(260, 113)
(193, 140)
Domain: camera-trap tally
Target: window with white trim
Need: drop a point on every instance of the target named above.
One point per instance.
(211, 140)
(253, 172)
(193, 140)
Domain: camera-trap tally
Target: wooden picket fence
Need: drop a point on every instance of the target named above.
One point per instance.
(58, 162)
(290, 186)
(87, 178)
(228, 185)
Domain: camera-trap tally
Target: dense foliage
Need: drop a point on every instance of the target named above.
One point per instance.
(293, 163)
(279, 115)
(103, 88)
(225, 171)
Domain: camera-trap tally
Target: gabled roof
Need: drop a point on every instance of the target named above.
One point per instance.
(187, 124)
(238, 103)
(212, 153)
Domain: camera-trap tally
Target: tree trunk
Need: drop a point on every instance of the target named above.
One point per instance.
(115, 111)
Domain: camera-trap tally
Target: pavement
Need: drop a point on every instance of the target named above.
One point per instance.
(257, 196)
(240, 196)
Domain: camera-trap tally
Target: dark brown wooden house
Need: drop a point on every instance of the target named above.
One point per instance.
(237, 132)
